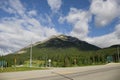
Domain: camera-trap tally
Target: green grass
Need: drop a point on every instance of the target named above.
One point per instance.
(13, 69)
(35, 63)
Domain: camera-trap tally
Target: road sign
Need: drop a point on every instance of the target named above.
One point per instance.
(109, 59)
(49, 60)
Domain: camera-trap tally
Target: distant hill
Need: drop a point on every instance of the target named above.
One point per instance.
(114, 46)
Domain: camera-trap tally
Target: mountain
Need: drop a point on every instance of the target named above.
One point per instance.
(63, 41)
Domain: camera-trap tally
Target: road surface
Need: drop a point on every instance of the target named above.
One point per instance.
(103, 72)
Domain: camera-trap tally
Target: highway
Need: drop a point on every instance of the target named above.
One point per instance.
(102, 72)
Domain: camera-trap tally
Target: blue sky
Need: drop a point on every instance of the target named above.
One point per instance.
(94, 21)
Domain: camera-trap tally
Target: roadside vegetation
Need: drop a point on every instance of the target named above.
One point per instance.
(15, 69)
(62, 57)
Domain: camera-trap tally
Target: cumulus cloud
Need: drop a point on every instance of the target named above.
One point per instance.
(105, 11)
(107, 39)
(12, 6)
(17, 32)
(32, 13)
(54, 4)
(79, 19)
(117, 31)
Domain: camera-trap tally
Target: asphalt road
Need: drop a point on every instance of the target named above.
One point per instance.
(103, 72)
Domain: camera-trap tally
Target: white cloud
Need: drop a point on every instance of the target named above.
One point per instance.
(17, 32)
(17, 6)
(54, 4)
(105, 11)
(14, 35)
(32, 13)
(79, 20)
(12, 6)
(107, 39)
(117, 31)
(61, 20)
(46, 20)
(4, 4)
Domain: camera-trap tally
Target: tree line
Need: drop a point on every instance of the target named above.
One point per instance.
(64, 57)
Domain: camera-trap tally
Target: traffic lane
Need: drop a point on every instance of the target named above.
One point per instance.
(106, 75)
(112, 73)
(89, 72)
(24, 74)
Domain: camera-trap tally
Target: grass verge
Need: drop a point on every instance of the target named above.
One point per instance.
(13, 69)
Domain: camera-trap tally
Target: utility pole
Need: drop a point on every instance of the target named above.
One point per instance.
(118, 54)
(46, 60)
(15, 62)
(1, 59)
(31, 54)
